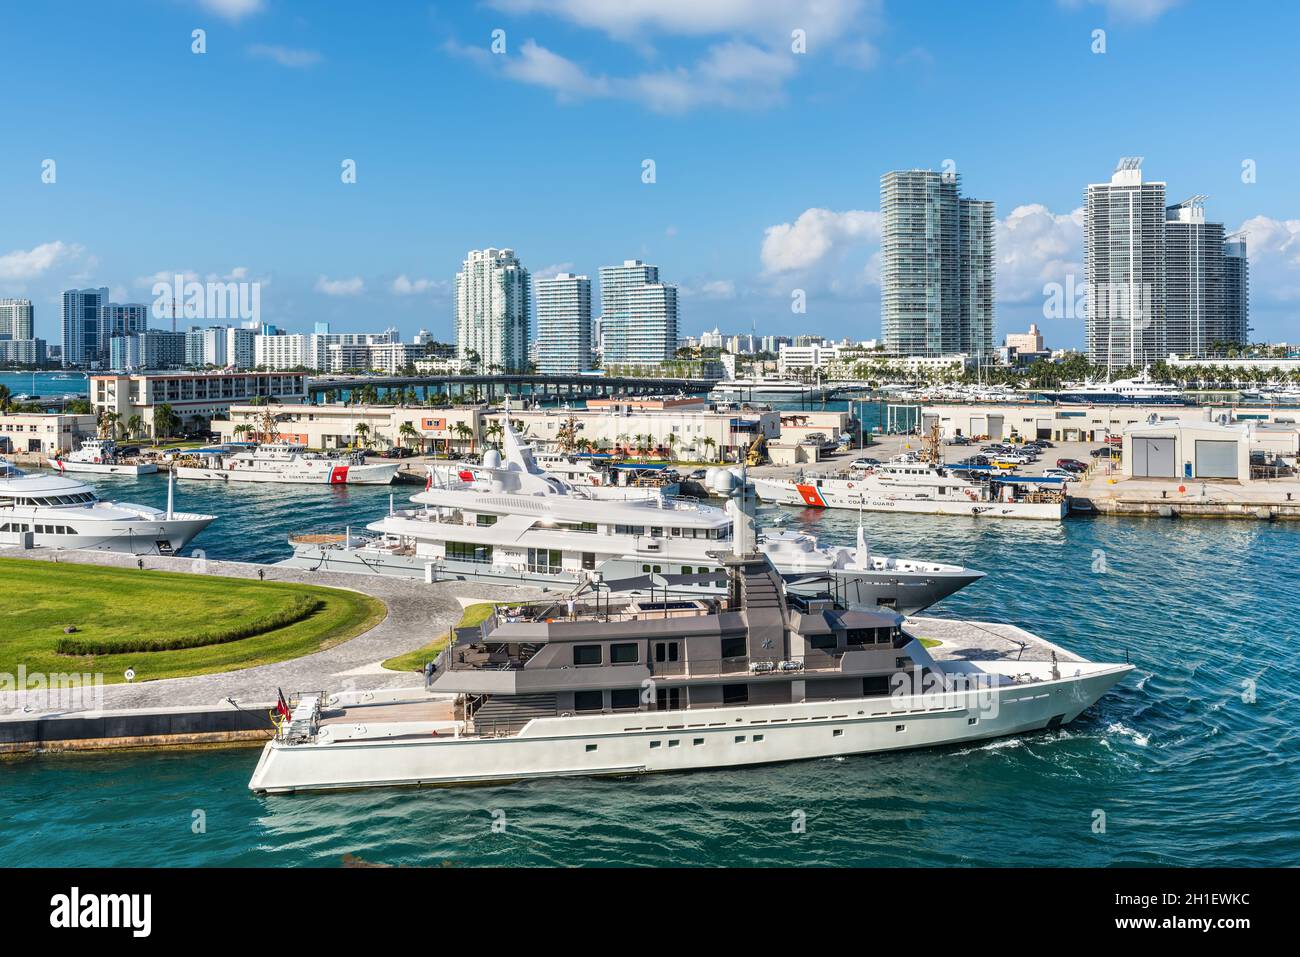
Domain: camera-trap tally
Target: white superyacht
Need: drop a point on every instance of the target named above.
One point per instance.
(103, 456)
(288, 462)
(514, 524)
(59, 512)
(554, 690)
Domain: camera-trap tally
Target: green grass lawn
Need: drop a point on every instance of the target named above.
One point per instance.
(414, 660)
(107, 604)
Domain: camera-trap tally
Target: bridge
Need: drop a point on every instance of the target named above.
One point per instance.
(489, 387)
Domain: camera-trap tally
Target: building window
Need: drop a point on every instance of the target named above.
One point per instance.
(588, 701)
(735, 694)
(623, 653)
(624, 699)
(587, 655)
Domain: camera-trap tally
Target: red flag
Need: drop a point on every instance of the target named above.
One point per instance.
(281, 705)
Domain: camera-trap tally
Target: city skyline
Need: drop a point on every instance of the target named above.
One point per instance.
(737, 219)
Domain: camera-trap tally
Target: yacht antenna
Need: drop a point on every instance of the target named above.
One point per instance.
(171, 490)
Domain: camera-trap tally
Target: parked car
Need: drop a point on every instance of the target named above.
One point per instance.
(867, 463)
(1065, 474)
(397, 452)
(958, 440)
(1106, 450)
(1072, 465)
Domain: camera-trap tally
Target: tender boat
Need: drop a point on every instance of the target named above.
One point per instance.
(291, 463)
(100, 455)
(59, 512)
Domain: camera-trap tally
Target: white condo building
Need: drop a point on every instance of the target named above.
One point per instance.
(80, 322)
(493, 308)
(639, 314)
(563, 324)
(1124, 257)
(16, 319)
(937, 266)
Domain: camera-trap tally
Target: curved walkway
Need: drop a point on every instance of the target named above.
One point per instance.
(417, 613)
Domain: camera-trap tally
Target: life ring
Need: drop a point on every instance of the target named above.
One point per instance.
(850, 485)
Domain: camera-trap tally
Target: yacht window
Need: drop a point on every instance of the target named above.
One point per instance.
(588, 700)
(625, 699)
(676, 532)
(587, 655)
(485, 520)
(823, 642)
(875, 686)
(589, 560)
(578, 526)
(686, 570)
(733, 647)
(623, 653)
(546, 561)
(860, 636)
(469, 552)
(656, 531)
(629, 529)
(735, 694)
(668, 699)
(666, 651)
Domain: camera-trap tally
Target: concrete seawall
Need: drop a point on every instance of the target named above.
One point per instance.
(122, 729)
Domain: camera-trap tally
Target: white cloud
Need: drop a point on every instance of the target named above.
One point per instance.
(1273, 246)
(233, 10)
(1035, 247)
(24, 264)
(1136, 10)
(285, 56)
(713, 289)
(405, 286)
(341, 287)
(748, 67)
(817, 236)
(633, 20)
(553, 270)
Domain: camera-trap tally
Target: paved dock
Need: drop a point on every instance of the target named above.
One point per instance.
(417, 613)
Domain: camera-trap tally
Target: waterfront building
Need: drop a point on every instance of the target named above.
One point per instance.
(1195, 290)
(392, 357)
(335, 425)
(563, 324)
(22, 352)
(1236, 293)
(493, 310)
(151, 349)
(47, 433)
(638, 314)
(17, 319)
(194, 396)
(937, 266)
(121, 319)
(80, 324)
(1125, 262)
(1076, 423)
(241, 347)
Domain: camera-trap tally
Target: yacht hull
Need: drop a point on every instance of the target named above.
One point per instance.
(162, 537)
(405, 754)
(370, 474)
(904, 591)
(803, 495)
(63, 465)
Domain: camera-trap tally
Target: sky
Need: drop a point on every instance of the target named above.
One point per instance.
(736, 145)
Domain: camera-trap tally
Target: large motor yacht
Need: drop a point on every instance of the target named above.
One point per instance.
(59, 512)
(512, 523)
(290, 463)
(555, 689)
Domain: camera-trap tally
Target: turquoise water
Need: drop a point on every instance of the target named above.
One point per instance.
(44, 384)
(1185, 771)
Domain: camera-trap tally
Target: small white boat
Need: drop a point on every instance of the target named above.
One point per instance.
(100, 455)
(289, 463)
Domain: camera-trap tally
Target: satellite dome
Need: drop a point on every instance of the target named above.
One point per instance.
(492, 459)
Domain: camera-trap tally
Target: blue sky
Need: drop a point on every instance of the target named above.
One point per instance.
(767, 161)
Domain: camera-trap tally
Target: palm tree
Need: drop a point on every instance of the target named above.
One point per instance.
(165, 421)
(6, 398)
(408, 431)
(135, 426)
(243, 428)
(494, 433)
(465, 434)
(709, 443)
(363, 433)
